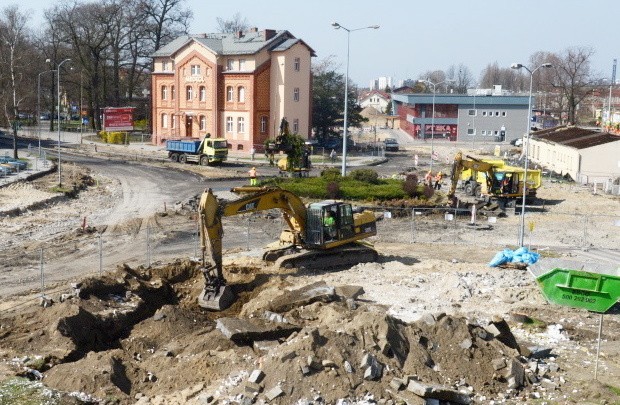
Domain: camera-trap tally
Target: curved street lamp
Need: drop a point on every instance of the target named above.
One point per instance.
(346, 93)
(433, 116)
(58, 90)
(526, 145)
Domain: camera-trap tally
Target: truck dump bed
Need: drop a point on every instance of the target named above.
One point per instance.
(183, 146)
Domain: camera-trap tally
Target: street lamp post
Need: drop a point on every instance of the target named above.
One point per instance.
(58, 123)
(433, 116)
(526, 145)
(346, 93)
(39, 105)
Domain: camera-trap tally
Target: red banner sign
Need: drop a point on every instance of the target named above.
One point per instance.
(449, 129)
(118, 118)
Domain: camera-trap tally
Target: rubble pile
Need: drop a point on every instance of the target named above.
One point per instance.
(138, 336)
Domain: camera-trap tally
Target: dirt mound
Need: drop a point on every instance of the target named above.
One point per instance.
(139, 335)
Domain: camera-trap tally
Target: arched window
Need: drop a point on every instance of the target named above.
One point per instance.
(241, 94)
(174, 121)
(172, 92)
(164, 120)
(203, 122)
(229, 93)
(189, 93)
(164, 92)
(202, 93)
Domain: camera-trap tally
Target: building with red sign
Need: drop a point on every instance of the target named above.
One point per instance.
(462, 117)
(236, 86)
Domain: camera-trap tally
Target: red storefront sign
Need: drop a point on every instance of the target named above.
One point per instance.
(118, 118)
(449, 129)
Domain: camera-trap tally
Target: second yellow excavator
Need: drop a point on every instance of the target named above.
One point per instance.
(321, 235)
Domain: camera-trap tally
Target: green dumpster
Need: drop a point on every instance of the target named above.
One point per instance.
(591, 286)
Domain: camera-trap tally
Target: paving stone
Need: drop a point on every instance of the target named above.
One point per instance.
(251, 388)
(397, 383)
(537, 352)
(288, 356)
(265, 346)
(466, 344)
(498, 364)
(256, 376)
(274, 393)
(245, 331)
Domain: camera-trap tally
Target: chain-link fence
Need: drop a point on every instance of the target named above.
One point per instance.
(163, 240)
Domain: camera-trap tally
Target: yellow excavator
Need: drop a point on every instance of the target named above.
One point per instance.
(323, 235)
(498, 186)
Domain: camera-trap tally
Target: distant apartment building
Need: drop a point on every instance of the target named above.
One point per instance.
(236, 86)
(381, 83)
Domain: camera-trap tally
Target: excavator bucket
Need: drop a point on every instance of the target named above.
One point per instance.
(216, 294)
(216, 299)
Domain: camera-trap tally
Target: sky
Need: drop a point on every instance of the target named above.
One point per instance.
(419, 36)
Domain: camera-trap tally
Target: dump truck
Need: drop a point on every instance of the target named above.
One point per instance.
(309, 241)
(205, 152)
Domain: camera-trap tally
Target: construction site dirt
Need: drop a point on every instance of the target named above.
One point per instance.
(429, 322)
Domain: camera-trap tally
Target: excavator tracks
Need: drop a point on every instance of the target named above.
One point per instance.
(340, 257)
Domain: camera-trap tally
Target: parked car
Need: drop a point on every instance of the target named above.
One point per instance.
(18, 164)
(391, 144)
(517, 142)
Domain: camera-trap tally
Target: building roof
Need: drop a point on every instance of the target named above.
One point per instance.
(239, 43)
(367, 94)
(461, 99)
(575, 137)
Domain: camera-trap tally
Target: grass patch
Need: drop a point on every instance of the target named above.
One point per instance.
(60, 189)
(534, 324)
(615, 390)
(25, 392)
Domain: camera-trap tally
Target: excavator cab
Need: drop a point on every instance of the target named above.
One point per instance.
(330, 224)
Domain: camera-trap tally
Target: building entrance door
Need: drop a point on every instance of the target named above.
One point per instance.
(188, 125)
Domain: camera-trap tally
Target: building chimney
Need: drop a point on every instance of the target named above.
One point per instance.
(253, 29)
(239, 34)
(268, 34)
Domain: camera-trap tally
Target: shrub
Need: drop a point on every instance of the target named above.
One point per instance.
(119, 138)
(333, 190)
(428, 191)
(410, 187)
(331, 174)
(365, 175)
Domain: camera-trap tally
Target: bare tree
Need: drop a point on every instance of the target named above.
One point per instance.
(14, 60)
(506, 77)
(574, 79)
(165, 20)
(235, 24)
(462, 77)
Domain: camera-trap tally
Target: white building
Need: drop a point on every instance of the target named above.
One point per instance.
(588, 156)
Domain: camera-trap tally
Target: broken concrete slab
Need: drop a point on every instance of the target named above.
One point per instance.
(537, 352)
(438, 392)
(265, 346)
(499, 328)
(243, 331)
(315, 292)
(515, 374)
(346, 292)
